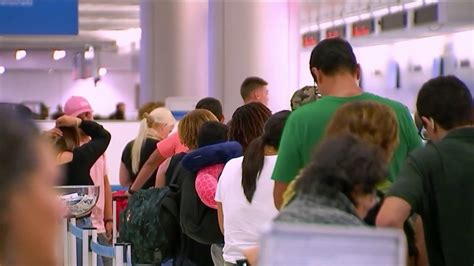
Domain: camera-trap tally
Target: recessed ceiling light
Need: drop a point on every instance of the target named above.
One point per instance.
(102, 71)
(59, 54)
(20, 54)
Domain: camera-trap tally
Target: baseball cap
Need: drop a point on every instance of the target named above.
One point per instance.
(77, 105)
(303, 96)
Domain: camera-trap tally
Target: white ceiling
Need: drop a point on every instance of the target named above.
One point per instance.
(98, 15)
(114, 24)
(313, 11)
(101, 24)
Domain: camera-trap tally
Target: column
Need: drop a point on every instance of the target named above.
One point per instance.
(207, 48)
(174, 49)
(256, 39)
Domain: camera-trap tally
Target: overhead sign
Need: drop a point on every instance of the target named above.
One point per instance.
(38, 17)
(339, 31)
(394, 21)
(426, 14)
(363, 28)
(310, 39)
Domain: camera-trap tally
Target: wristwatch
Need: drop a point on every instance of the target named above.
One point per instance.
(108, 221)
(130, 191)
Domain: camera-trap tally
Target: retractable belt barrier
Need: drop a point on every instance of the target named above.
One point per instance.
(120, 253)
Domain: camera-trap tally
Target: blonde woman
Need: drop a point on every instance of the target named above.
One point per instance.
(154, 127)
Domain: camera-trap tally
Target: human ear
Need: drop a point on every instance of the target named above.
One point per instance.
(428, 122)
(317, 75)
(358, 72)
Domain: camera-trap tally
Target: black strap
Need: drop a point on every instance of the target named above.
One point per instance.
(171, 206)
(173, 167)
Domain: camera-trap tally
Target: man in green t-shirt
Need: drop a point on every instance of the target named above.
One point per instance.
(437, 181)
(335, 69)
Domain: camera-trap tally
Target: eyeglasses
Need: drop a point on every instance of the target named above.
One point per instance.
(423, 133)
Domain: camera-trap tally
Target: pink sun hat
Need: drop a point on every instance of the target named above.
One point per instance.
(77, 105)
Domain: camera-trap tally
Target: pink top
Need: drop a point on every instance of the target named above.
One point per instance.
(206, 184)
(98, 171)
(171, 145)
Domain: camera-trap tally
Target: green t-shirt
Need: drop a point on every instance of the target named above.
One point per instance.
(438, 183)
(306, 126)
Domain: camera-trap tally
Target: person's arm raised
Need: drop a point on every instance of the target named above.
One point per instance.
(147, 170)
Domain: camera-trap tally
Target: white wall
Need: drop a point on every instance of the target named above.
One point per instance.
(40, 78)
(122, 133)
(56, 87)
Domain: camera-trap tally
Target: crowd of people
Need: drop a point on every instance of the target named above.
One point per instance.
(342, 157)
(118, 114)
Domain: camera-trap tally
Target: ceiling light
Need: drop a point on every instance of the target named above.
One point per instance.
(395, 9)
(381, 12)
(2, 70)
(431, 1)
(338, 22)
(414, 4)
(89, 53)
(314, 27)
(304, 30)
(20, 54)
(352, 19)
(59, 54)
(102, 71)
(325, 25)
(364, 16)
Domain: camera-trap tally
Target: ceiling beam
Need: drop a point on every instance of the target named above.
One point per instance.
(110, 2)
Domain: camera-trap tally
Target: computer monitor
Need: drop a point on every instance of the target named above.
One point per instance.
(320, 245)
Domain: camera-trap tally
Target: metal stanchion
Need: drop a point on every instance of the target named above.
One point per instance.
(114, 213)
(94, 255)
(85, 247)
(118, 254)
(72, 245)
(65, 242)
(129, 254)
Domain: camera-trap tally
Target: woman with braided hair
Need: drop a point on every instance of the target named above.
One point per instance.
(248, 122)
(244, 193)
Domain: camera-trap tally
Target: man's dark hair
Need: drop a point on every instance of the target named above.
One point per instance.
(333, 55)
(343, 164)
(211, 104)
(447, 100)
(212, 133)
(250, 84)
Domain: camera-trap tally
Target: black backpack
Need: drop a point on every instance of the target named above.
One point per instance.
(151, 224)
(198, 221)
(191, 252)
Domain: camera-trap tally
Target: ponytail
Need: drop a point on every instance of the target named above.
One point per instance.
(252, 165)
(138, 143)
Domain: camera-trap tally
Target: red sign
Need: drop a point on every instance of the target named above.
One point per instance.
(336, 32)
(310, 39)
(363, 28)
